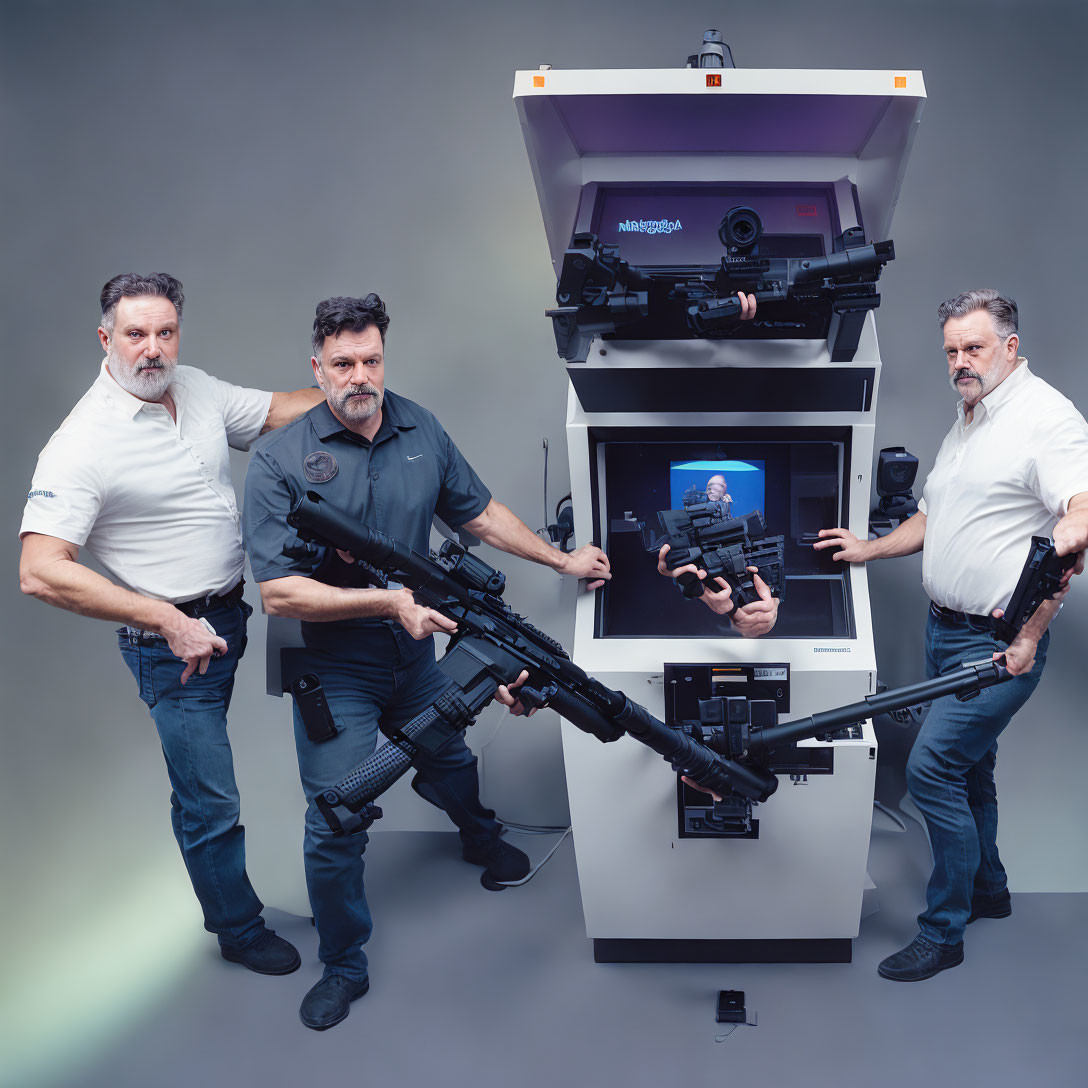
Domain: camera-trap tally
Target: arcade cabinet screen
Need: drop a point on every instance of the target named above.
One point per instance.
(668, 225)
(796, 484)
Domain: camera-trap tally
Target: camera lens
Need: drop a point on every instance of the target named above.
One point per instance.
(740, 229)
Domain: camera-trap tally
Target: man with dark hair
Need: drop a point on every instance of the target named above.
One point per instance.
(388, 462)
(1014, 465)
(139, 474)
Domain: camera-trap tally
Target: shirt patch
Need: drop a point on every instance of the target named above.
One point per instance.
(320, 467)
(38, 493)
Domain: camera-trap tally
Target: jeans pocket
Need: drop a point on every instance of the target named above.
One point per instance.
(133, 657)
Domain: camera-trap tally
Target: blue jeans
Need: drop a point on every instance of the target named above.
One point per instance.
(950, 775)
(379, 675)
(192, 726)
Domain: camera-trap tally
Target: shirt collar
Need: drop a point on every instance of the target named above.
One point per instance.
(325, 424)
(997, 398)
(121, 400)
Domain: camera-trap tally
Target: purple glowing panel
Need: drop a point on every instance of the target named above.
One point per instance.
(756, 124)
(678, 224)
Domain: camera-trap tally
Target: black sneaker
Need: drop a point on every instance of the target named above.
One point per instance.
(330, 1000)
(269, 954)
(920, 959)
(990, 906)
(503, 863)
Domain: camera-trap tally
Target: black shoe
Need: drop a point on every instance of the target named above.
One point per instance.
(990, 906)
(269, 954)
(330, 1000)
(920, 959)
(503, 862)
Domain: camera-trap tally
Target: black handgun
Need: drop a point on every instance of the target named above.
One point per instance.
(1039, 581)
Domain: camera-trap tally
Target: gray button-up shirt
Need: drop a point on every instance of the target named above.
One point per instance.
(395, 483)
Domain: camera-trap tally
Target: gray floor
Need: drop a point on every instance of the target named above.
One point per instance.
(489, 989)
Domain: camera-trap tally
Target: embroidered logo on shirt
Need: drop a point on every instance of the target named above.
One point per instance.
(416, 458)
(320, 467)
(38, 493)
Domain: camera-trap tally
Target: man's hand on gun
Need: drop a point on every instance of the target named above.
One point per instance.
(191, 640)
(1071, 536)
(1020, 656)
(588, 562)
(752, 620)
(418, 620)
(695, 786)
(505, 696)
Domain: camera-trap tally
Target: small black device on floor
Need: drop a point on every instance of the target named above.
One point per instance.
(731, 1007)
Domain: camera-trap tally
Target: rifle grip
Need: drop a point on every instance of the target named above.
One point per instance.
(690, 584)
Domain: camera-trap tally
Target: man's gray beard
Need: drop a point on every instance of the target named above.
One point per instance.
(981, 378)
(358, 411)
(148, 384)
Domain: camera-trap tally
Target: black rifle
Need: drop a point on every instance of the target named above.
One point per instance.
(492, 645)
(725, 547)
(742, 739)
(600, 293)
(703, 533)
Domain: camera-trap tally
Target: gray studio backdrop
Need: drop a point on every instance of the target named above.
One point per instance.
(273, 154)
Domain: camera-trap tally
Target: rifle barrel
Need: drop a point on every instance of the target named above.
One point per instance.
(966, 681)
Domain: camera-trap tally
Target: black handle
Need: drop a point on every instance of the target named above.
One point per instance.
(340, 803)
(691, 585)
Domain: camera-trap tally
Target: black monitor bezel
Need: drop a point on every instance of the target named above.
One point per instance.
(600, 435)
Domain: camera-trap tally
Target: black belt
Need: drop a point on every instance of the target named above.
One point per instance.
(211, 601)
(978, 623)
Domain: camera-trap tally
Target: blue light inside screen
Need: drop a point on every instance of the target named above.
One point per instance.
(745, 482)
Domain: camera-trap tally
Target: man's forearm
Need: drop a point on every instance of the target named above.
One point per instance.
(1040, 619)
(65, 583)
(1071, 532)
(288, 406)
(500, 527)
(306, 599)
(905, 539)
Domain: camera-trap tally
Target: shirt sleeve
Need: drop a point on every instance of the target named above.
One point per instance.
(244, 411)
(463, 495)
(275, 549)
(1060, 468)
(66, 493)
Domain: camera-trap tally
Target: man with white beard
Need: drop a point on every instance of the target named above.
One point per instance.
(139, 473)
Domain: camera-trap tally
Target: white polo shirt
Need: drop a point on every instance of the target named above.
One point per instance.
(151, 500)
(1001, 479)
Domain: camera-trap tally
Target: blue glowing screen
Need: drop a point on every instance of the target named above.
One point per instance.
(745, 483)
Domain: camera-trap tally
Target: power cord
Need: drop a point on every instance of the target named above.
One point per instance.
(529, 829)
